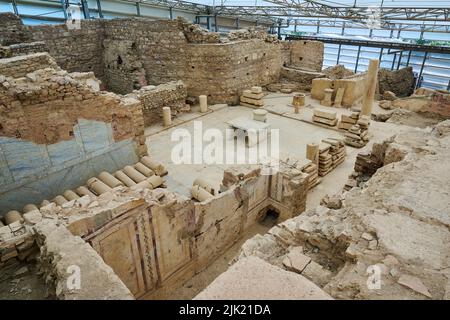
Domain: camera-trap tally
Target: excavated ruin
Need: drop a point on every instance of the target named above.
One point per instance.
(357, 207)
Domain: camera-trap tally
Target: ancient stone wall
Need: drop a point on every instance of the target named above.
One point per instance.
(63, 255)
(123, 67)
(138, 53)
(22, 49)
(353, 85)
(155, 52)
(20, 66)
(301, 78)
(166, 238)
(307, 55)
(74, 49)
(128, 54)
(57, 131)
(401, 82)
(223, 71)
(59, 255)
(12, 30)
(172, 94)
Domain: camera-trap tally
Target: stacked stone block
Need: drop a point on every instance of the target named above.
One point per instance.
(337, 151)
(253, 97)
(358, 135)
(348, 121)
(325, 117)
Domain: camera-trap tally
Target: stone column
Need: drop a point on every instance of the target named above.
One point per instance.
(167, 116)
(327, 100)
(371, 86)
(203, 103)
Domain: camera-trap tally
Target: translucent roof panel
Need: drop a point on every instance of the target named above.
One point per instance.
(338, 3)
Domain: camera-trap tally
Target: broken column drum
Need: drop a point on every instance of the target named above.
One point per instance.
(70, 195)
(134, 174)
(83, 191)
(205, 185)
(29, 207)
(154, 165)
(98, 186)
(167, 116)
(124, 178)
(142, 168)
(203, 103)
(12, 216)
(260, 115)
(60, 200)
(44, 203)
(109, 179)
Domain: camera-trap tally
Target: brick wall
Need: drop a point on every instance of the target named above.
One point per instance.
(128, 54)
(307, 55)
(172, 94)
(74, 49)
(157, 47)
(223, 71)
(12, 30)
(20, 66)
